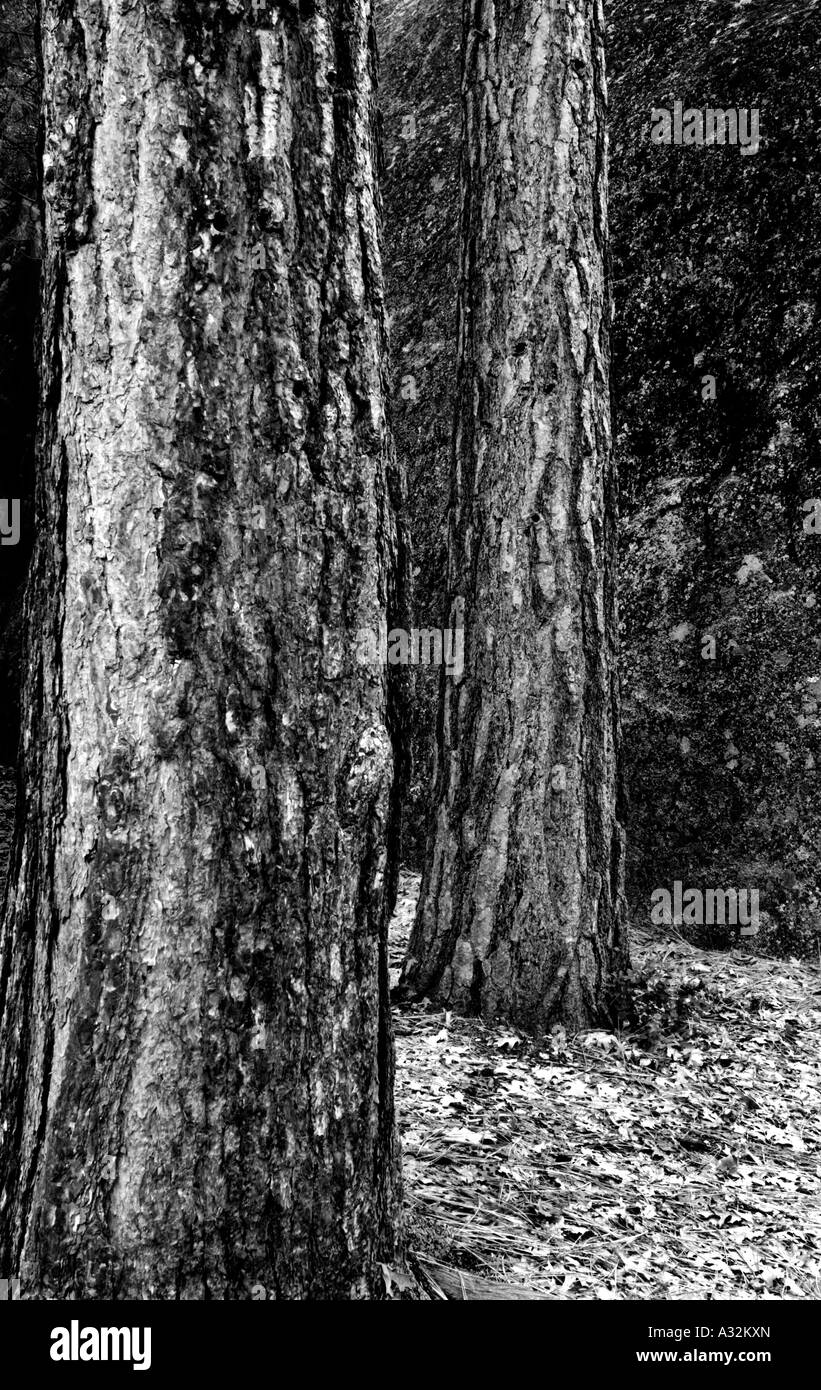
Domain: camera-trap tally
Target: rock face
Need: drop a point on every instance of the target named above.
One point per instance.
(715, 353)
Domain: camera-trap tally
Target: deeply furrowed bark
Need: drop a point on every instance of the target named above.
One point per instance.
(520, 914)
(195, 1049)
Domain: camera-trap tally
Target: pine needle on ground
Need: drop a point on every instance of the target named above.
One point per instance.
(679, 1159)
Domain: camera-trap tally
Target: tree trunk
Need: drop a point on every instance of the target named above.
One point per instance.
(197, 1061)
(19, 295)
(520, 914)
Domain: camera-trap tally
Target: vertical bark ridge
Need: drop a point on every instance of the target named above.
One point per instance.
(196, 919)
(520, 913)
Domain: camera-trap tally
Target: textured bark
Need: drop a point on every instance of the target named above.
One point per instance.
(19, 295)
(196, 1078)
(520, 913)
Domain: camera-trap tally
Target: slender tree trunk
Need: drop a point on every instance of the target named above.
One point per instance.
(196, 1080)
(520, 914)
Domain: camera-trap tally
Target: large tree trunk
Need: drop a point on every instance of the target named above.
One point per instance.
(196, 1079)
(520, 914)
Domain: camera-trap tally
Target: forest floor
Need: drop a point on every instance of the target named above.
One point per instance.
(678, 1159)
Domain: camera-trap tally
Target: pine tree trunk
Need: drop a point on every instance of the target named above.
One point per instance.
(196, 1081)
(520, 914)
